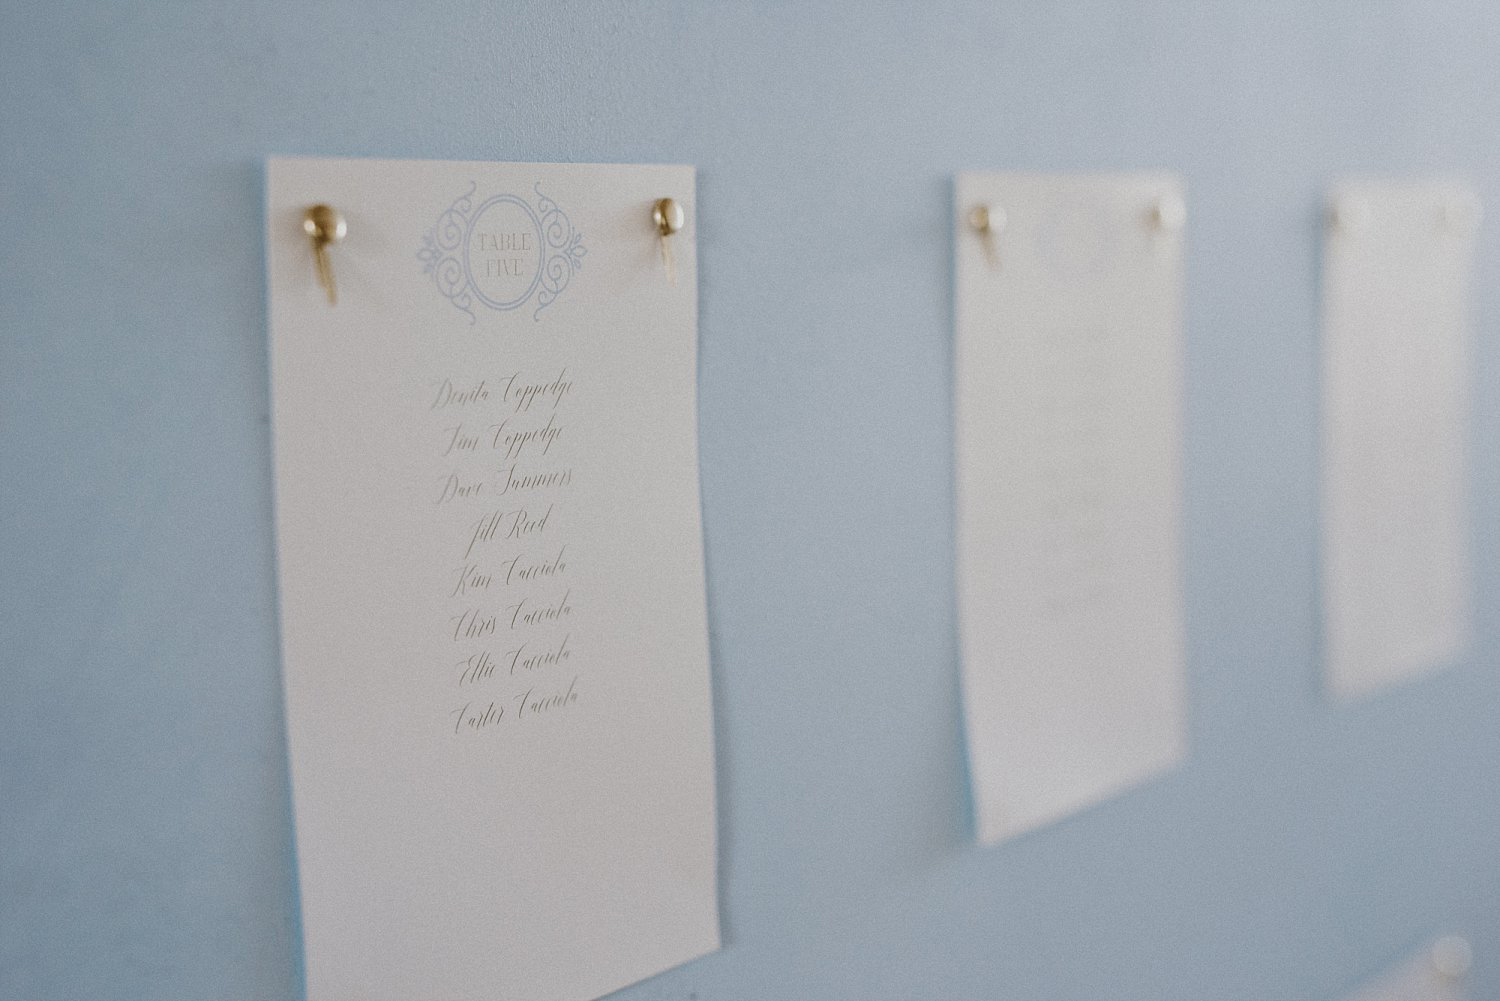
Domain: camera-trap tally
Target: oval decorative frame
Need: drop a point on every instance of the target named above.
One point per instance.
(445, 252)
(541, 252)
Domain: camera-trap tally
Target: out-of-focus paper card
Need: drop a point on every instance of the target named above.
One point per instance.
(1437, 973)
(492, 595)
(1396, 272)
(1068, 406)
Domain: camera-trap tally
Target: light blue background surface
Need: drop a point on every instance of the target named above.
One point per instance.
(145, 831)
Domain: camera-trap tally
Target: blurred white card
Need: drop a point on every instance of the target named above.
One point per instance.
(1068, 385)
(1437, 973)
(492, 604)
(1396, 272)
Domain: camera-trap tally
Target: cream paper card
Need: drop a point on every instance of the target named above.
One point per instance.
(492, 592)
(1396, 270)
(1068, 401)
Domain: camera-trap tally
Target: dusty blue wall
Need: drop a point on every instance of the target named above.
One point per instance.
(145, 835)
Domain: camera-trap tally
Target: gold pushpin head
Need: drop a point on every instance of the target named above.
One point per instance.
(324, 225)
(668, 218)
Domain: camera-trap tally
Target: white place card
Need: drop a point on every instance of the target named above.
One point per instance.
(1395, 578)
(1068, 409)
(492, 594)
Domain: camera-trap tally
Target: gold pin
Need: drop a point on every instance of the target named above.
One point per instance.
(668, 217)
(987, 221)
(324, 225)
(1167, 213)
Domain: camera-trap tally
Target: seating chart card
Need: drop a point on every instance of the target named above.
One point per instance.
(1397, 264)
(1068, 401)
(491, 570)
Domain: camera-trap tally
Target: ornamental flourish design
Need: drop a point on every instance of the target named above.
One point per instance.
(502, 253)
